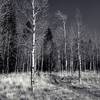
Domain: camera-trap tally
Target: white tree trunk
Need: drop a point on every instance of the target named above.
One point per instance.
(34, 29)
(94, 69)
(8, 41)
(33, 69)
(71, 60)
(79, 55)
(64, 25)
(59, 62)
(42, 58)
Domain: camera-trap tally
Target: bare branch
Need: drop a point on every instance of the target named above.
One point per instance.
(61, 16)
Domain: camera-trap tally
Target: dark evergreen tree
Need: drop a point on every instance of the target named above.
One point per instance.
(8, 26)
(48, 52)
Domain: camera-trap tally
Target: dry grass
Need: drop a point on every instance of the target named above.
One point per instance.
(56, 86)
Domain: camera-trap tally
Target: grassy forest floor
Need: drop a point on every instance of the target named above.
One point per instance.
(56, 86)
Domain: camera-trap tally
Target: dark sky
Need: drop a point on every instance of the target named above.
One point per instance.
(90, 10)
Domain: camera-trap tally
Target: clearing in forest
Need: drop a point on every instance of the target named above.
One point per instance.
(53, 86)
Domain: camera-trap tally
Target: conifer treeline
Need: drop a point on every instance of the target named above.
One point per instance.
(51, 45)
